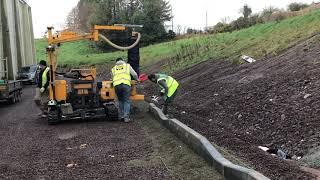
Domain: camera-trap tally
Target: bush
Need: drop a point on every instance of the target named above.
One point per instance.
(194, 31)
(220, 28)
(255, 19)
(171, 34)
(280, 15)
(240, 23)
(297, 6)
(267, 13)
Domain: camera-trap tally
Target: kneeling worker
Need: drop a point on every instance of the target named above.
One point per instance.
(122, 83)
(42, 91)
(169, 87)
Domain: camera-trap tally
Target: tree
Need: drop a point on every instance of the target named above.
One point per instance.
(73, 22)
(171, 34)
(255, 19)
(179, 28)
(85, 12)
(153, 15)
(225, 20)
(267, 12)
(297, 6)
(246, 11)
(150, 13)
(190, 31)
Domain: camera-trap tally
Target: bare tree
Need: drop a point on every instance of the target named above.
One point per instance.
(184, 29)
(225, 20)
(179, 28)
(73, 22)
(246, 11)
(85, 11)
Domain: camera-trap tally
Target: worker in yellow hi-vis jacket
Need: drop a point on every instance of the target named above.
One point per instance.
(42, 91)
(121, 77)
(169, 87)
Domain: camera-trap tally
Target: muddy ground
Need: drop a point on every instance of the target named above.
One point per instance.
(31, 149)
(273, 102)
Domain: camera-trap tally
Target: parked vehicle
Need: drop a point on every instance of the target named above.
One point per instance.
(28, 74)
(10, 90)
(17, 48)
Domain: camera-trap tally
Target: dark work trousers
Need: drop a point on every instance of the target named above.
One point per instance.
(168, 102)
(123, 92)
(134, 57)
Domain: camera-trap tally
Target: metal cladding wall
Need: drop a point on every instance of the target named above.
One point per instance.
(16, 35)
(1, 37)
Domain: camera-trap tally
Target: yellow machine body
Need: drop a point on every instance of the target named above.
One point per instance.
(60, 87)
(108, 93)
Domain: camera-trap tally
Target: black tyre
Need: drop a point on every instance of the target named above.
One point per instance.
(18, 95)
(13, 99)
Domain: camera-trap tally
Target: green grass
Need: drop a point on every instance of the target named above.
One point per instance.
(76, 53)
(256, 41)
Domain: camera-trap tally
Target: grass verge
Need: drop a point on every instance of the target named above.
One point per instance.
(257, 41)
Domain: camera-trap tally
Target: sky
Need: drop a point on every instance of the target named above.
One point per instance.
(187, 13)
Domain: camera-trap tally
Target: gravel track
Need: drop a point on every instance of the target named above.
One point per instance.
(31, 149)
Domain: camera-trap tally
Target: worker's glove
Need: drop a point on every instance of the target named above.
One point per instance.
(161, 93)
(42, 90)
(155, 99)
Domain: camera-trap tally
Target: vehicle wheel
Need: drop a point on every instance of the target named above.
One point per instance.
(13, 99)
(18, 95)
(54, 117)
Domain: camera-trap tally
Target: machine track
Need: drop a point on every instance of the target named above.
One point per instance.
(111, 111)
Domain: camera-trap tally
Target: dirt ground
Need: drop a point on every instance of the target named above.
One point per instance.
(31, 149)
(180, 160)
(273, 102)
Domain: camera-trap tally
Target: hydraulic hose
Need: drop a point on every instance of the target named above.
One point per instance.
(120, 47)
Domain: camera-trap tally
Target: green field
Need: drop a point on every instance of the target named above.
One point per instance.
(256, 41)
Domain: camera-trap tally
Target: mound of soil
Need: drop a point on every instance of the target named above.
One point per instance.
(273, 102)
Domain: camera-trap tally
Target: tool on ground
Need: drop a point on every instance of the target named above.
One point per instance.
(84, 97)
(143, 77)
(155, 99)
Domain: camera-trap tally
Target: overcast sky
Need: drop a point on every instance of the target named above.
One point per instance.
(187, 13)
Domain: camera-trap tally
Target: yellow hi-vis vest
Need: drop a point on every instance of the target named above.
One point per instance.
(171, 83)
(121, 75)
(44, 76)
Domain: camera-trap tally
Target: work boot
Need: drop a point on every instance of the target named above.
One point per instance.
(164, 111)
(127, 120)
(42, 115)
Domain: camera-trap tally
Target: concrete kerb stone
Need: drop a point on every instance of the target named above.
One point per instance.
(203, 147)
(160, 116)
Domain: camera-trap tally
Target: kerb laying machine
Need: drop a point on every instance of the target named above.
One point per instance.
(83, 97)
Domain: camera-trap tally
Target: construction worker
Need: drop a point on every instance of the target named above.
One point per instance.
(169, 87)
(42, 91)
(122, 84)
